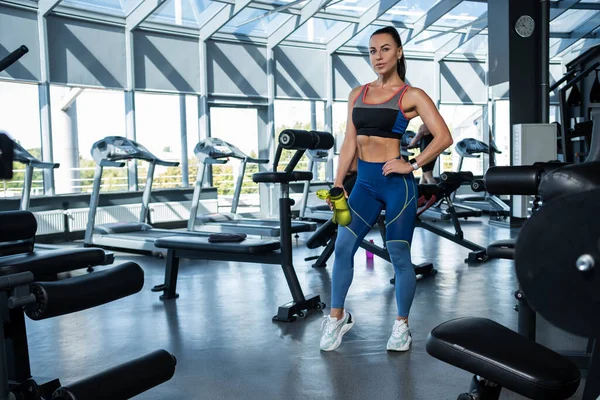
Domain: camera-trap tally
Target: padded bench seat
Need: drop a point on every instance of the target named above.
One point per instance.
(502, 249)
(193, 243)
(45, 263)
(494, 352)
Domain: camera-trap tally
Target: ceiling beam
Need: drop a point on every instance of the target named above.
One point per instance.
(457, 41)
(289, 26)
(364, 21)
(141, 12)
(222, 17)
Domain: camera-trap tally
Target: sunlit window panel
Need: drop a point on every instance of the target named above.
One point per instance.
(477, 45)
(464, 13)
(181, 12)
(427, 41)
(352, 8)
(111, 7)
(318, 30)
(408, 11)
(254, 22)
(362, 39)
(570, 20)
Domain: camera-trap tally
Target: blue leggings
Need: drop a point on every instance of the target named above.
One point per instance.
(373, 192)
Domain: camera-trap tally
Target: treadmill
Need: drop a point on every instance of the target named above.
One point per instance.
(115, 151)
(489, 204)
(212, 151)
(318, 211)
(26, 158)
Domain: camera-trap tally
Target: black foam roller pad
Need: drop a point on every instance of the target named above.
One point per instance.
(124, 381)
(517, 180)
(17, 225)
(326, 140)
(87, 291)
(305, 140)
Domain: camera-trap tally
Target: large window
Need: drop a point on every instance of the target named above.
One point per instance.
(158, 128)
(463, 122)
(19, 118)
(502, 131)
(238, 126)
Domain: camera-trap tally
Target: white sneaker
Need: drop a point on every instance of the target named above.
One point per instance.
(333, 330)
(401, 337)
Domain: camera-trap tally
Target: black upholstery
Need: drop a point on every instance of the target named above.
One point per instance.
(322, 236)
(490, 350)
(248, 246)
(17, 225)
(46, 263)
(573, 178)
(121, 227)
(502, 249)
(282, 177)
(86, 291)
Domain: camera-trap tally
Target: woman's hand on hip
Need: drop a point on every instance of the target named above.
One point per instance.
(397, 166)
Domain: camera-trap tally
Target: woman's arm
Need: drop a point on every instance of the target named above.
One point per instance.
(348, 150)
(419, 104)
(426, 109)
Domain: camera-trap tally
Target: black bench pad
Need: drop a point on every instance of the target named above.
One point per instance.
(248, 246)
(493, 351)
(45, 263)
(502, 249)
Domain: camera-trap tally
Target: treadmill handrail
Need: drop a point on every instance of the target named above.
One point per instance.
(24, 157)
(166, 163)
(107, 163)
(43, 165)
(257, 160)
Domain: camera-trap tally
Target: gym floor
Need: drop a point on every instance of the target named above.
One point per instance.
(227, 347)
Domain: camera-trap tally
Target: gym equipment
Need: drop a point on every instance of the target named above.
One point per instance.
(28, 287)
(341, 212)
(265, 252)
(490, 204)
(575, 136)
(6, 156)
(13, 57)
(545, 258)
(24, 157)
(525, 180)
(214, 151)
(113, 151)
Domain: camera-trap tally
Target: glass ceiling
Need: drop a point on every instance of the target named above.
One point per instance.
(261, 18)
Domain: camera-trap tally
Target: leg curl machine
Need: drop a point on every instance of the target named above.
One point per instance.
(556, 267)
(28, 286)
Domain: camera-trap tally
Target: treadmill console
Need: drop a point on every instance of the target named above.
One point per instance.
(118, 148)
(217, 151)
(470, 147)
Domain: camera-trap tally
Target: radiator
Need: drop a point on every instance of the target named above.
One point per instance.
(50, 222)
(78, 217)
(159, 212)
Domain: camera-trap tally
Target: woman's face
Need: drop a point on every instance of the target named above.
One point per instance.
(384, 53)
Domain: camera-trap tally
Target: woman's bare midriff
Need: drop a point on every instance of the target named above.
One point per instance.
(377, 149)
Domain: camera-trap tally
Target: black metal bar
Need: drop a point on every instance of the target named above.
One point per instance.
(286, 246)
(294, 161)
(545, 60)
(327, 252)
(592, 383)
(526, 323)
